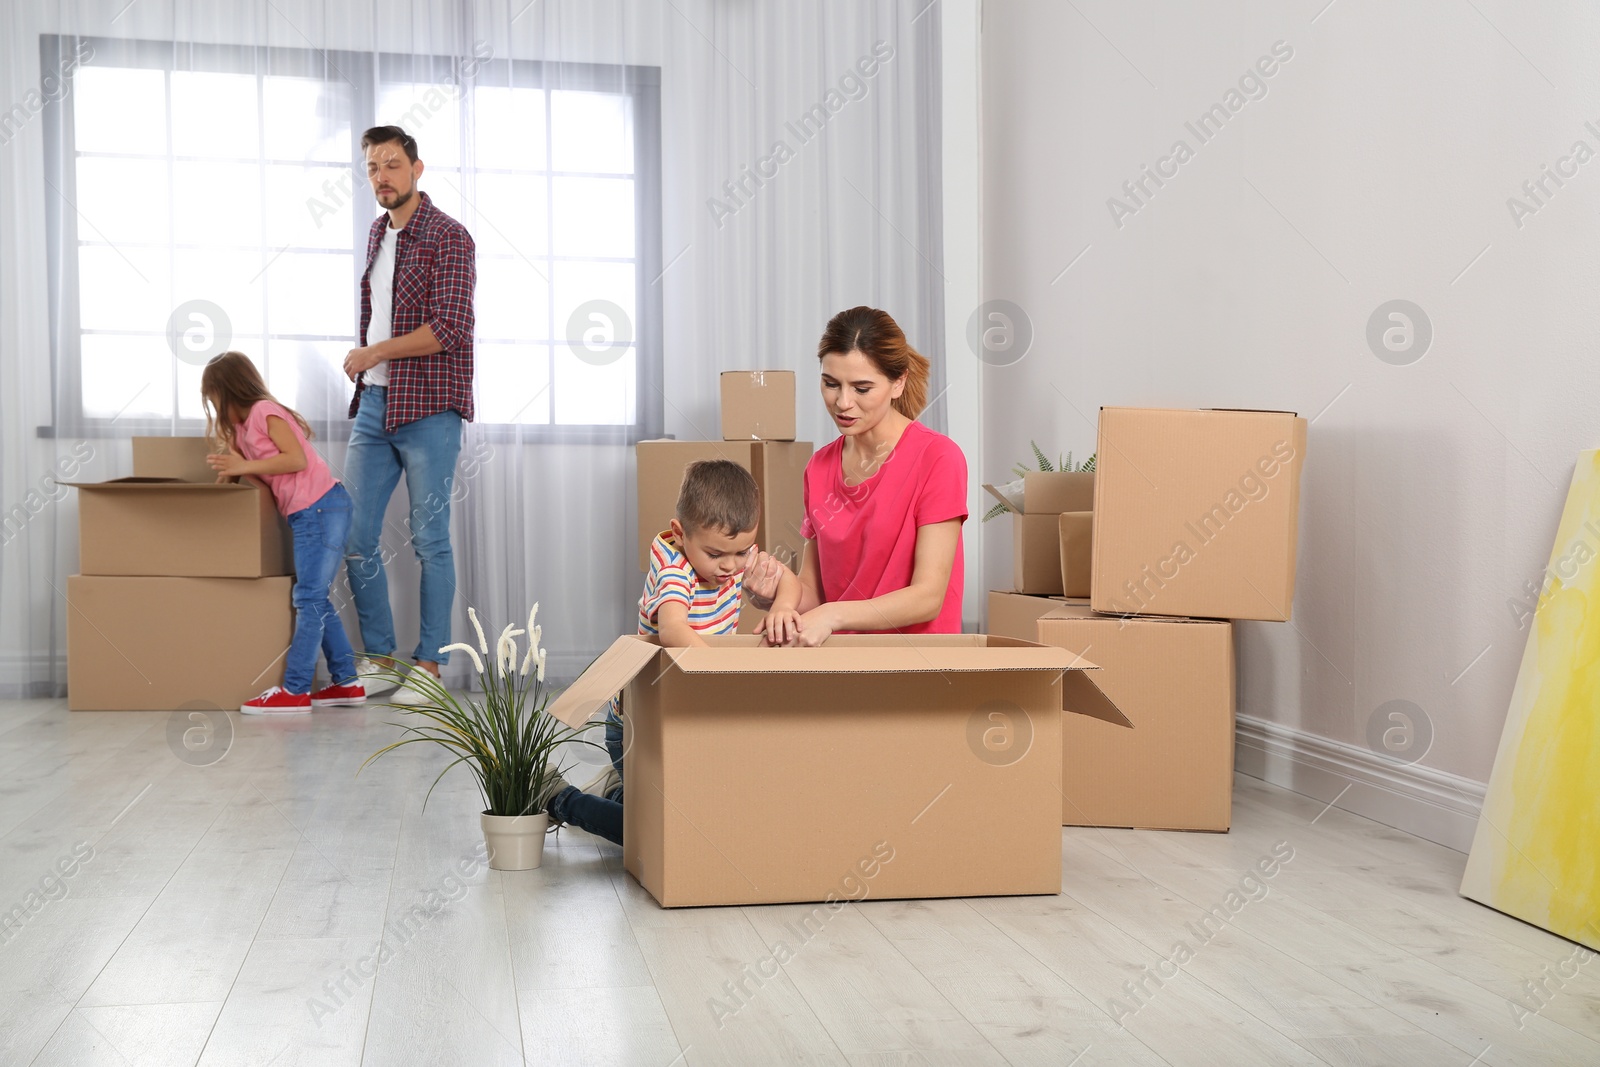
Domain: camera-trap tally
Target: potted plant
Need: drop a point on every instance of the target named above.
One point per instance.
(1012, 491)
(507, 739)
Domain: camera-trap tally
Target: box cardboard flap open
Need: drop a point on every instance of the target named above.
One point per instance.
(1049, 493)
(605, 678)
(183, 458)
(842, 654)
(145, 483)
(1081, 696)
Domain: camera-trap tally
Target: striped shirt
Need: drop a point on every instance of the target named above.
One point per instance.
(713, 605)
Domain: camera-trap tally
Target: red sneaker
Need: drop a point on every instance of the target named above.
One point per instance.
(336, 696)
(277, 701)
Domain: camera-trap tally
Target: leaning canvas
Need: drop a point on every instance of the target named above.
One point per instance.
(1536, 853)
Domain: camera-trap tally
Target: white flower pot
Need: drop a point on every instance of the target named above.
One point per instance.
(516, 842)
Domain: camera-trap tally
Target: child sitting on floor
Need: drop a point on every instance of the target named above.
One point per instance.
(696, 580)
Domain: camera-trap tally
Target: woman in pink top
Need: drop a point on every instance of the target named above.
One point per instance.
(884, 503)
(262, 438)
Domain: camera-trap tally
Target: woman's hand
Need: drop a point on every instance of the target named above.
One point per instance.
(815, 627)
(231, 465)
(781, 627)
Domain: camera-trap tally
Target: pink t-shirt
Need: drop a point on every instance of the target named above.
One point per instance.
(866, 534)
(293, 492)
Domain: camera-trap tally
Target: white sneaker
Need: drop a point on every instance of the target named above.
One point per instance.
(412, 696)
(374, 677)
(604, 783)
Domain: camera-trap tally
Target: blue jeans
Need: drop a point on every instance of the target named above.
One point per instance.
(425, 451)
(601, 816)
(320, 532)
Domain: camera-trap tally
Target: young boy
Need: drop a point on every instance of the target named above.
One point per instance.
(697, 577)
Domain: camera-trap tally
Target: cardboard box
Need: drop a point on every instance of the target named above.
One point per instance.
(1014, 614)
(877, 766)
(779, 469)
(183, 458)
(758, 405)
(172, 519)
(1076, 541)
(1196, 512)
(1035, 529)
(159, 644)
(1174, 678)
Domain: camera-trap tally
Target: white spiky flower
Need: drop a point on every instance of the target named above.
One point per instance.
(483, 642)
(505, 649)
(532, 615)
(540, 674)
(469, 650)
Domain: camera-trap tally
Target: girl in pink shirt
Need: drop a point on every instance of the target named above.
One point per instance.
(262, 438)
(884, 502)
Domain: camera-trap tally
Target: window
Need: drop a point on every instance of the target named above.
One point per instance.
(213, 194)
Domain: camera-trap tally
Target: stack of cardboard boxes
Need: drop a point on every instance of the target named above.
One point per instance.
(182, 595)
(758, 431)
(1194, 524)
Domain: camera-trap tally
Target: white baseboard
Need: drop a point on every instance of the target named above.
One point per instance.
(1433, 805)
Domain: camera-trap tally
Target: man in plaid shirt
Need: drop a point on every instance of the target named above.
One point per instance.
(413, 375)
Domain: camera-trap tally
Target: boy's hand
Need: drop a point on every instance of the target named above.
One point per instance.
(761, 577)
(781, 627)
(231, 465)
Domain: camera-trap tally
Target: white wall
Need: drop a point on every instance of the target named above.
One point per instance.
(1377, 166)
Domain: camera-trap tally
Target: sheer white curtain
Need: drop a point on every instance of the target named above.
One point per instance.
(659, 190)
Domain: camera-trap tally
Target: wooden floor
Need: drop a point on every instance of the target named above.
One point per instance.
(228, 914)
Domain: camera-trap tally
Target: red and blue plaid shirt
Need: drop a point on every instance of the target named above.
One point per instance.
(435, 270)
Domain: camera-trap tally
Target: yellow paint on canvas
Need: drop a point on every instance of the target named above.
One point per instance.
(1536, 854)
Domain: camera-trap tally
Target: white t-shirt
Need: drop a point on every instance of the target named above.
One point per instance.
(381, 326)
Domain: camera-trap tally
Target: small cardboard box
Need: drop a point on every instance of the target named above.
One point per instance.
(1035, 528)
(1196, 513)
(758, 405)
(172, 519)
(1076, 530)
(779, 468)
(1014, 614)
(1175, 679)
(159, 644)
(896, 766)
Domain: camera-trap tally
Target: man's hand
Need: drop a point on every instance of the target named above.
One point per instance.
(358, 360)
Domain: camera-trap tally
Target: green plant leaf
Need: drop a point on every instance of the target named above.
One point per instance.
(1044, 463)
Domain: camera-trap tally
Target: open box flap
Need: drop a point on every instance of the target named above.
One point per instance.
(1048, 493)
(147, 484)
(605, 678)
(876, 654)
(1010, 504)
(1081, 696)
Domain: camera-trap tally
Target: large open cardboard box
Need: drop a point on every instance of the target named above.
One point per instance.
(158, 644)
(758, 405)
(1196, 512)
(1174, 678)
(779, 468)
(765, 775)
(1035, 526)
(171, 518)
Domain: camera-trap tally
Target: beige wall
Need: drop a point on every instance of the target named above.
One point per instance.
(1377, 166)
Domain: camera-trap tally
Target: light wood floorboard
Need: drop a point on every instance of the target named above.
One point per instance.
(276, 907)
